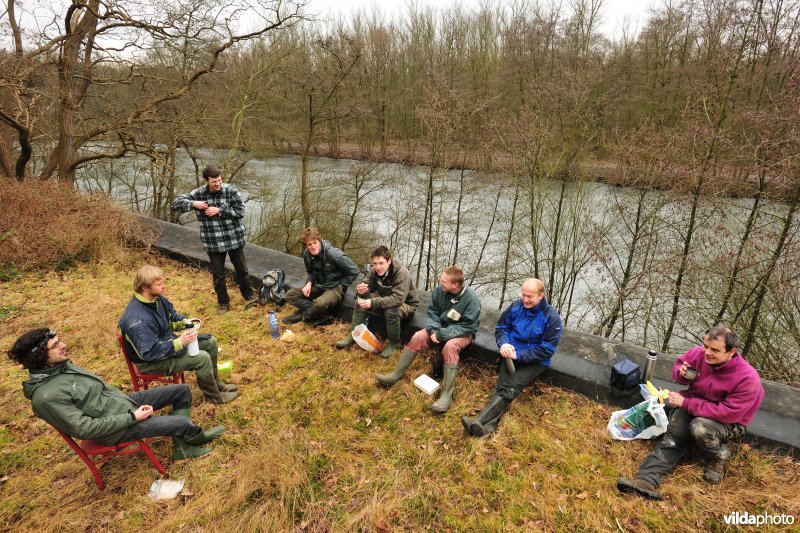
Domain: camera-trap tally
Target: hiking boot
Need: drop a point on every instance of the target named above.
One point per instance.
(222, 309)
(346, 342)
(638, 486)
(294, 318)
(714, 471)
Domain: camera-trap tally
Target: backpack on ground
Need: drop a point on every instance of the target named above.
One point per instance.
(272, 289)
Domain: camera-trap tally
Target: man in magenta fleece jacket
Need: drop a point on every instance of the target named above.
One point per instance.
(718, 405)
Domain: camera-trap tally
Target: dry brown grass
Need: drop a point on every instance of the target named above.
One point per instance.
(56, 227)
(313, 445)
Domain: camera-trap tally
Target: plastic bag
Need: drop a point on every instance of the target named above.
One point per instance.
(365, 339)
(645, 420)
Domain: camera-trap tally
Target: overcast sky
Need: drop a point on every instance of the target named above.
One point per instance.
(614, 12)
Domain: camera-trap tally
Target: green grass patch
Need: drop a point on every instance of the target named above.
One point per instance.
(312, 444)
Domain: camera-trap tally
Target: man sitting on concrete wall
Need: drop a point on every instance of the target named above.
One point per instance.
(330, 273)
(723, 396)
(388, 290)
(85, 407)
(527, 334)
(453, 319)
(156, 338)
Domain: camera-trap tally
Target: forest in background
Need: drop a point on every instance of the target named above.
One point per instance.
(700, 106)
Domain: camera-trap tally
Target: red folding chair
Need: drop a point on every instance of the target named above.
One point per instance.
(144, 380)
(89, 448)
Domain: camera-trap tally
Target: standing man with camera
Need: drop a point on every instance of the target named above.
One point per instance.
(220, 210)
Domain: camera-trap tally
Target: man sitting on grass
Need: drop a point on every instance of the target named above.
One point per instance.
(85, 407)
(723, 396)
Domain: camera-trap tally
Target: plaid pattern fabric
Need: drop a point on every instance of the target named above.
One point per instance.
(223, 232)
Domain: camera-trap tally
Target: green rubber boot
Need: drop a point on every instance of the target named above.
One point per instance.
(446, 398)
(182, 450)
(393, 332)
(221, 385)
(358, 318)
(405, 360)
(203, 436)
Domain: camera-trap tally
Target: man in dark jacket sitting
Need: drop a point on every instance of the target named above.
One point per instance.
(83, 406)
(388, 290)
(156, 338)
(527, 334)
(330, 273)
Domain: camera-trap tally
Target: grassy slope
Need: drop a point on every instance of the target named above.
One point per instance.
(313, 444)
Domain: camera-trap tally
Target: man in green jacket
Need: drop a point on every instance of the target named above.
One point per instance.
(330, 273)
(453, 319)
(85, 407)
(388, 290)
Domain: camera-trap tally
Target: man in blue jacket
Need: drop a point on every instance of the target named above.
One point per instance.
(527, 334)
(156, 338)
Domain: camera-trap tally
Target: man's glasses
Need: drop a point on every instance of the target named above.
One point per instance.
(43, 343)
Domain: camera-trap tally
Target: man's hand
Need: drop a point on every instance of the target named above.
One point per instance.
(508, 350)
(364, 303)
(211, 211)
(306, 290)
(143, 412)
(435, 338)
(197, 204)
(675, 399)
(682, 370)
(187, 336)
(362, 288)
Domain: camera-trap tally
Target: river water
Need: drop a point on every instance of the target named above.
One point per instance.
(589, 222)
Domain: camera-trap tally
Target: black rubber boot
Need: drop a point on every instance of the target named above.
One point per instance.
(486, 421)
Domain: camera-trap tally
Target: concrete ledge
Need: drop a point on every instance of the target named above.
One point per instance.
(582, 363)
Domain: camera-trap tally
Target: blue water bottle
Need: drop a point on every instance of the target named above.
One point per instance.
(274, 330)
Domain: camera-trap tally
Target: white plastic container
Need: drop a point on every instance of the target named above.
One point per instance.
(426, 384)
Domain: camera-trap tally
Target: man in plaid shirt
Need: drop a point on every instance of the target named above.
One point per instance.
(220, 210)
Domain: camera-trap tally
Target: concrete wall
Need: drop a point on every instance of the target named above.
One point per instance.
(582, 363)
